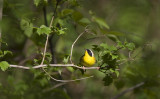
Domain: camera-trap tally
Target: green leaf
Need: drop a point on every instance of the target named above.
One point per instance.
(27, 27)
(3, 53)
(37, 2)
(130, 46)
(77, 16)
(119, 44)
(117, 72)
(7, 52)
(40, 2)
(96, 48)
(43, 30)
(70, 69)
(107, 58)
(111, 70)
(45, 1)
(112, 48)
(37, 74)
(65, 59)
(107, 80)
(73, 3)
(29, 30)
(24, 24)
(84, 21)
(112, 37)
(116, 33)
(104, 45)
(66, 12)
(1, 41)
(4, 65)
(60, 22)
(48, 57)
(100, 22)
(60, 31)
(114, 56)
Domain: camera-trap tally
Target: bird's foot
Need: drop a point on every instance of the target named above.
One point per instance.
(83, 68)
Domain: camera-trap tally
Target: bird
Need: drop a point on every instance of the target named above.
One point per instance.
(88, 59)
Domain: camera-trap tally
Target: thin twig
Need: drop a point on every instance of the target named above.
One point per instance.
(52, 65)
(65, 81)
(126, 60)
(138, 53)
(44, 59)
(75, 42)
(45, 48)
(70, 57)
(55, 86)
(123, 62)
(142, 50)
(128, 90)
(56, 65)
(51, 22)
(44, 52)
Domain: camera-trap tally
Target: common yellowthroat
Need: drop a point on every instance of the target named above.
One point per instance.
(88, 59)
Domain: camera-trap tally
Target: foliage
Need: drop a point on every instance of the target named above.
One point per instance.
(4, 65)
(108, 57)
(27, 27)
(118, 31)
(43, 29)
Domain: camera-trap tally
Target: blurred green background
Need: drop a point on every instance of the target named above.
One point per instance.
(136, 21)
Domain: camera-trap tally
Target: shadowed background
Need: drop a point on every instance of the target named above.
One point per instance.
(136, 21)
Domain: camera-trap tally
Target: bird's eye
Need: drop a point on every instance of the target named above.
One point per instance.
(89, 52)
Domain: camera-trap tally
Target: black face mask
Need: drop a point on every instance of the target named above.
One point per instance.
(89, 52)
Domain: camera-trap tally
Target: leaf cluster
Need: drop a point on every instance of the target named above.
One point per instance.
(108, 57)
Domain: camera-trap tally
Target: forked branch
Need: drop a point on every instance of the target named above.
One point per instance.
(86, 30)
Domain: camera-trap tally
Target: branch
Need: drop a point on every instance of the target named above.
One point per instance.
(128, 59)
(86, 30)
(55, 65)
(128, 90)
(55, 86)
(45, 48)
(52, 65)
(44, 53)
(65, 81)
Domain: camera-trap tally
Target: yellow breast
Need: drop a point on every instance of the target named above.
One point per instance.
(88, 58)
(88, 61)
